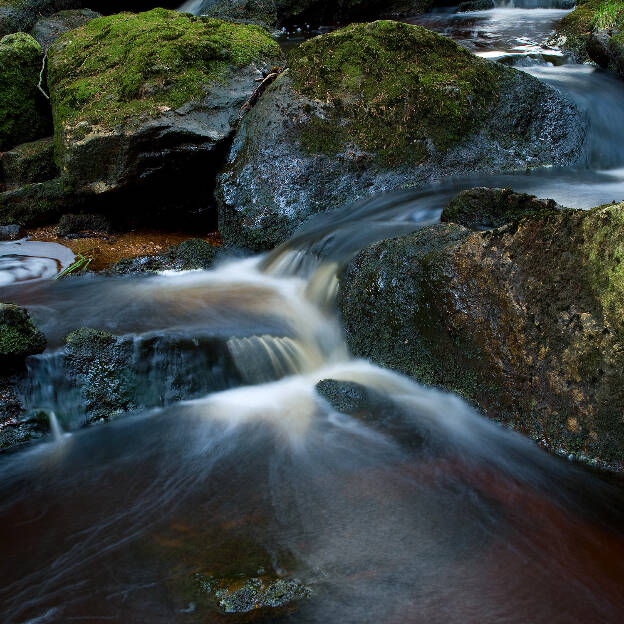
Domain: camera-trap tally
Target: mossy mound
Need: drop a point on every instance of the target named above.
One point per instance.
(23, 113)
(399, 86)
(19, 338)
(525, 321)
(121, 68)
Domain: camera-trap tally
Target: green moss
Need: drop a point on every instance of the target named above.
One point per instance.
(20, 64)
(124, 67)
(18, 336)
(603, 249)
(394, 87)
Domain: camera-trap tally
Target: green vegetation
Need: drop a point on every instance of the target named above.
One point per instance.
(20, 64)
(609, 15)
(395, 87)
(127, 66)
(79, 266)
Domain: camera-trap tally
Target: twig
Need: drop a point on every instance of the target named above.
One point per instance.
(39, 86)
(261, 88)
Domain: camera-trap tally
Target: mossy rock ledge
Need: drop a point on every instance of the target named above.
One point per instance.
(380, 106)
(525, 321)
(19, 338)
(146, 101)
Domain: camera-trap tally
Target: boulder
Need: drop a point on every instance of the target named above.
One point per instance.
(80, 225)
(380, 106)
(24, 114)
(300, 12)
(28, 163)
(38, 204)
(19, 338)
(485, 208)
(10, 232)
(48, 29)
(22, 15)
(525, 321)
(147, 102)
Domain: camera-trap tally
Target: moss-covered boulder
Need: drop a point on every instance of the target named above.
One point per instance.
(48, 29)
(291, 12)
(147, 100)
(21, 15)
(525, 321)
(380, 106)
(594, 30)
(19, 338)
(486, 208)
(24, 115)
(28, 163)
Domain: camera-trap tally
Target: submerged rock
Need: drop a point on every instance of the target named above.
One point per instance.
(48, 29)
(374, 107)
(191, 254)
(24, 114)
(147, 102)
(485, 208)
(19, 337)
(525, 321)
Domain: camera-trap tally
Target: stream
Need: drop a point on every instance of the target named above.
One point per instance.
(232, 460)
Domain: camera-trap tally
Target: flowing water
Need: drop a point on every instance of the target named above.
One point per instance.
(421, 511)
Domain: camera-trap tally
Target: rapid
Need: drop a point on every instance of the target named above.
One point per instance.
(412, 509)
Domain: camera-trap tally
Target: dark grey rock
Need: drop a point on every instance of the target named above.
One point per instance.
(10, 232)
(48, 29)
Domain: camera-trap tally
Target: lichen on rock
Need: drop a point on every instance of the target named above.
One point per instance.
(525, 321)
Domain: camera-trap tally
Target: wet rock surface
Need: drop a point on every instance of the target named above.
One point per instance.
(524, 321)
(486, 208)
(48, 29)
(192, 254)
(336, 126)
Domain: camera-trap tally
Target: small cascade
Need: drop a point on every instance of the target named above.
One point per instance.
(191, 6)
(55, 427)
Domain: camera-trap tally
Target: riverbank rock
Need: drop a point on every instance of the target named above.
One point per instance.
(28, 163)
(525, 321)
(24, 115)
(147, 103)
(19, 338)
(273, 13)
(381, 106)
(48, 29)
(594, 31)
(475, 5)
